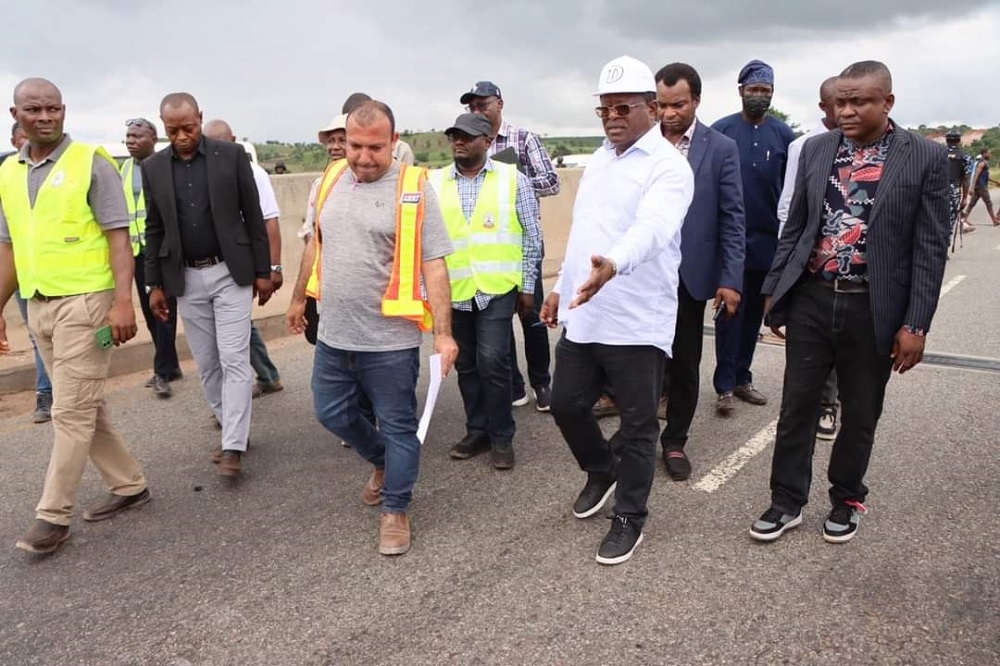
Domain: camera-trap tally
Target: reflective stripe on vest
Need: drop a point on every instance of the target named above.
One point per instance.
(403, 296)
(136, 209)
(488, 247)
(59, 247)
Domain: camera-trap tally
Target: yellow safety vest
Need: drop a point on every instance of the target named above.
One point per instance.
(59, 247)
(403, 297)
(488, 250)
(136, 209)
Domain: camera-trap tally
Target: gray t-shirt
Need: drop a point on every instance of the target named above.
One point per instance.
(358, 227)
(105, 196)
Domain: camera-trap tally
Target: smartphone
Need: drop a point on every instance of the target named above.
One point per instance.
(104, 338)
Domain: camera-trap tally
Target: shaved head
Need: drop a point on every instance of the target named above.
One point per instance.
(219, 130)
(828, 90)
(35, 86)
(177, 100)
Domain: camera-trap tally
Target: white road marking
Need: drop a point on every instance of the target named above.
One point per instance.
(733, 463)
(952, 283)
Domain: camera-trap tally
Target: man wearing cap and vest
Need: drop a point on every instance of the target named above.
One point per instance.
(617, 297)
(491, 213)
(379, 239)
(64, 241)
(140, 140)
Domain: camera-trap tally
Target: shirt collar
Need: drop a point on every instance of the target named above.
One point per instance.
(453, 171)
(24, 157)
(886, 136)
(689, 134)
(506, 129)
(200, 151)
(647, 143)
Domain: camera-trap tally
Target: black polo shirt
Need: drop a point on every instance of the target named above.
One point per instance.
(194, 209)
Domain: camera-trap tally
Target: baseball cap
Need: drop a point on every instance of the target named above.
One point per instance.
(625, 75)
(481, 89)
(338, 123)
(473, 124)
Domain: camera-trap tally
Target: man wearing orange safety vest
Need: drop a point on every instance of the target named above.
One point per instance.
(379, 245)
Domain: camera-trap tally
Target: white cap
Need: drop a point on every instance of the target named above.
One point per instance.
(338, 123)
(625, 75)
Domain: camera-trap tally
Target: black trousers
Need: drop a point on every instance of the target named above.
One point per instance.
(163, 333)
(636, 375)
(682, 379)
(827, 330)
(536, 347)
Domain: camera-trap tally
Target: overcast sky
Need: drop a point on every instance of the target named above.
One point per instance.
(280, 69)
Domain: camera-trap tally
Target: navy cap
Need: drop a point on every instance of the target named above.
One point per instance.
(481, 89)
(473, 124)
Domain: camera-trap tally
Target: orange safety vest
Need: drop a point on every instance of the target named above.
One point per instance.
(403, 297)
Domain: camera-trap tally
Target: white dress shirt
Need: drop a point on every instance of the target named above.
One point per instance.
(629, 208)
(791, 169)
(268, 202)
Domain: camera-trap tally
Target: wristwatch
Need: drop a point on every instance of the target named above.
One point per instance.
(276, 268)
(151, 287)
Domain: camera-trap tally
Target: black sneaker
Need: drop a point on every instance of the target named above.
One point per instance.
(842, 523)
(43, 408)
(161, 388)
(620, 541)
(773, 523)
(470, 446)
(543, 399)
(503, 455)
(593, 496)
(827, 426)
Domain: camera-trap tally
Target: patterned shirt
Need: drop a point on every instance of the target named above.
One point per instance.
(840, 250)
(526, 206)
(532, 157)
(684, 144)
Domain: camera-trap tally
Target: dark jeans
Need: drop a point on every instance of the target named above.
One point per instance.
(636, 375)
(827, 330)
(42, 382)
(682, 379)
(736, 338)
(261, 362)
(830, 390)
(483, 366)
(536, 347)
(390, 379)
(163, 333)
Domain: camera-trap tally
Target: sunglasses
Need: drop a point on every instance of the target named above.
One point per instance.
(620, 110)
(139, 122)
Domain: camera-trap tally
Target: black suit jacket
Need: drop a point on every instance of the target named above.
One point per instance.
(907, 243)
(239, 225)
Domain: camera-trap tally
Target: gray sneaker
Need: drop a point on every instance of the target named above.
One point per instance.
(773, 523)
(43, 408)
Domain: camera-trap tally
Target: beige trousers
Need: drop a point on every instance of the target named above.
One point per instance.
(64, 329)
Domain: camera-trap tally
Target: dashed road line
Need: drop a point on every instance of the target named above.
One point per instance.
(735, 461)
(952, 283)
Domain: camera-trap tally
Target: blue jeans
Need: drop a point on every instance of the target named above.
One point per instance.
(390, 380)
(42, 382)
(259, 360)
(483, 367)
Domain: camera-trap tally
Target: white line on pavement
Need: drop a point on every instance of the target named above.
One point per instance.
(733, 463)
(952, 283)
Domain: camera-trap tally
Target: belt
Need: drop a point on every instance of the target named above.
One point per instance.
(203, 263)
(843, 285)
(42, 298)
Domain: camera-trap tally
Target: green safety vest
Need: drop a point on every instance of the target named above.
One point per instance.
(136, 209)
(488, 251)
(59, 247)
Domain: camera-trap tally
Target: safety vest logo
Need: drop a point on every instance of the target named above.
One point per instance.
(57, 178)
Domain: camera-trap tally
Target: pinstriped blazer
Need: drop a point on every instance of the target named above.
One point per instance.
(907, 243)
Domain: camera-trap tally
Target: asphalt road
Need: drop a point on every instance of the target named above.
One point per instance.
(283, 569)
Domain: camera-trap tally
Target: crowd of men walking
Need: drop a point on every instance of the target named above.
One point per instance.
(822, 238)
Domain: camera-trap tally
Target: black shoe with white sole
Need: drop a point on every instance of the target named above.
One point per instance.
(593, 496)
(773, 523)
(842, 523)
(826, 428)
(620, 541)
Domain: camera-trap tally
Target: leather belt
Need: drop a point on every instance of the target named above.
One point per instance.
(843, 285)
(42, 298)
(203, 263)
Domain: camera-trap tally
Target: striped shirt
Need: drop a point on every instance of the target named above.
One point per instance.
(533, 160)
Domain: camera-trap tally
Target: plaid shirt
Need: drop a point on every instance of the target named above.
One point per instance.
(684, 145)
(532, 157)
(526, 206)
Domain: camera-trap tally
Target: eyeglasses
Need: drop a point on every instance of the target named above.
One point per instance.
(139, 122)
(480, 106)
(620, 110)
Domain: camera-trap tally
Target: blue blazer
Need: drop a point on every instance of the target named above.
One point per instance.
(907, 243)
(713, 238)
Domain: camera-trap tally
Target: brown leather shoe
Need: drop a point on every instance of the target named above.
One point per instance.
(43, 537)
(747, 393)
(217, 453)
(393, 534)
(229, 464)
(114, 505)
(372, 492)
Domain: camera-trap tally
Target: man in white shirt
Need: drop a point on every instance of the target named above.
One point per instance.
(268, 379)
(619, 277)
(826, 428)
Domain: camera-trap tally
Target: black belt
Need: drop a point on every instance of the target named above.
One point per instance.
(842, 285)
(203, 263)
(45, 299)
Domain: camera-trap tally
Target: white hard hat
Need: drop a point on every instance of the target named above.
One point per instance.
(625, 75)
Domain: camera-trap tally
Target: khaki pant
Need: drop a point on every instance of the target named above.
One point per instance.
(64, 329)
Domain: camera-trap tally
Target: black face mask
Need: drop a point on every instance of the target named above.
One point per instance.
(756, 106)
